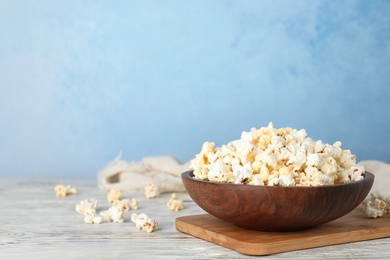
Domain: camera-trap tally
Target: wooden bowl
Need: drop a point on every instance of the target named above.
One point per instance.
(274, 208)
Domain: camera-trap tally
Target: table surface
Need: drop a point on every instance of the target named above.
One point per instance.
(35, 224)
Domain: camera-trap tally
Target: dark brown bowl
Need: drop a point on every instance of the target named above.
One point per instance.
(274, 208)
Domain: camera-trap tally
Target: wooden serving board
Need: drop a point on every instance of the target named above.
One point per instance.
(353, 227)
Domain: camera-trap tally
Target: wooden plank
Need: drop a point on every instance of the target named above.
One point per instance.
(350, 228)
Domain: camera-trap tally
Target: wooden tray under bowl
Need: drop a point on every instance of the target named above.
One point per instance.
(353, 227)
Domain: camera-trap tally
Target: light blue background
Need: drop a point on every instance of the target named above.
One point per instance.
(81, 81)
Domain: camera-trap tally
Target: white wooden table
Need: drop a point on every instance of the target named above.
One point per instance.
(35, 224)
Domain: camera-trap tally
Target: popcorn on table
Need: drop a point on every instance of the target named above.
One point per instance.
(144, 222)
(174, 203)
(126, 204)
(63, 191)
(114, 194)
(376, 205)
(276, 157)
(151, 191)
(106, 216)
(86, 206)
(116, 214)
(91, 218)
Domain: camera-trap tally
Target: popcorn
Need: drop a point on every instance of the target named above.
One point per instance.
(256, 180)
(86, 206)
(276, 157)
(174, 203)
(144, 222)
(106, 215)
(274, 181)
(151, 191)
(126, 204)
(63, 191)
(242, 173)
(91, 218)
(114, 194)
(116, 214)
(286, 180)
(376, 205)
(202, 160)
(356, 173)
(264, 172)
(219, 172)
(320, 179)
(314, 159)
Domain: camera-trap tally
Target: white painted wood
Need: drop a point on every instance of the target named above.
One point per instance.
(35, 224)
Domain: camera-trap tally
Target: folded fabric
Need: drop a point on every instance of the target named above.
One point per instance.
(165, 173)
(162, 171)
(381, 170)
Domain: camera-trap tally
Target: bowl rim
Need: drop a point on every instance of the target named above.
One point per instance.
(367, 177)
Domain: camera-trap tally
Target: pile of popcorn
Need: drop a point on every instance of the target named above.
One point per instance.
(276, 157)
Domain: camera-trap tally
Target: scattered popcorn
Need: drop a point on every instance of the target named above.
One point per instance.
(63, 191)
(114, 194)
(151, 191)
(91, 218)
(144, 222)
(174, 203)
(276, 157)
(86, 206)
(376, 205)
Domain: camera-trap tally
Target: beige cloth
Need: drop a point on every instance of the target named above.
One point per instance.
(165, 171)
(162, 171)
(381, 171)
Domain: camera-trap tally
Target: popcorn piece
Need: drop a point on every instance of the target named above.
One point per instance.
(63, 191)
(126, 204)
(276, 157)
(273, 181)
(144, 222)
(286, 180)
(314, 159)
(116, 214)
(356, 173)
(106, 215)
(86, 206)
(256, 180)
(218, 171)
(114, 194)
(376, 205)
(243, 148)
(174, 203)
(151, 191)
(91, 218)
(303, 180)
(60, 191)
(242, 173)
(320, 179)
(202, 160)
